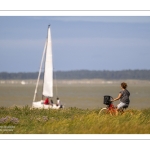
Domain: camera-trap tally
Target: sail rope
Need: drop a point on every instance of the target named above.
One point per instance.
(35, 93)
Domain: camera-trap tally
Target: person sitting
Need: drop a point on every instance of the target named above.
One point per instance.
(123, 96)
(46, 102)
(58, 102)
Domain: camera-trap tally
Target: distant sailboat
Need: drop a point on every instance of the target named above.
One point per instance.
(47, 92)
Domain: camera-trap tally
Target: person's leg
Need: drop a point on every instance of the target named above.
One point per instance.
(120, 107)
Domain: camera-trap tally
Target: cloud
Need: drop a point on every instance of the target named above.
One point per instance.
(97, 42)
(13, 44)
(107, 19)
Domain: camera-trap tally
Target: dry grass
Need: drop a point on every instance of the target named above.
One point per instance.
(73, 121)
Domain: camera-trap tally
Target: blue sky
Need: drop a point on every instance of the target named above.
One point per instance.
(93, 43)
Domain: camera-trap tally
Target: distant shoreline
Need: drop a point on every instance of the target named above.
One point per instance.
(82, 74)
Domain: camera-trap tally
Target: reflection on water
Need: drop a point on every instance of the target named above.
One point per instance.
(86, 94)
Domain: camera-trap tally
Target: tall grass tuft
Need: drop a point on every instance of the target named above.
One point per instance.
(23, 120)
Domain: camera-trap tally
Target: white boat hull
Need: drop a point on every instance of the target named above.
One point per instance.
(40, 105)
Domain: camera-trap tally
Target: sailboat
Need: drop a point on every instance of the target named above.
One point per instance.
(47, 92)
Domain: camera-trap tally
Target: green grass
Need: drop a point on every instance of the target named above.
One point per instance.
(23, 120)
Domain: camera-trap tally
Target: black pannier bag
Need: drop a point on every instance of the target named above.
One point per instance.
(107, 100)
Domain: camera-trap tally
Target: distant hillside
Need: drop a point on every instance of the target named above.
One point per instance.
(82, 74)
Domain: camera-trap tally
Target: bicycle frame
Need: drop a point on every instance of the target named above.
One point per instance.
(111, 108)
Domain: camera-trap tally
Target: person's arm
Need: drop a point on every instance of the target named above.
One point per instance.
(119, 96)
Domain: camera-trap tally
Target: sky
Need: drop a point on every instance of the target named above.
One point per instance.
(78, 42)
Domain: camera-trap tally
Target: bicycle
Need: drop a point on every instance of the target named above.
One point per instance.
(110, 108)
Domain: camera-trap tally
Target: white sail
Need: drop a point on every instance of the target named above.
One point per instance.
(48, 72)
(48, 77)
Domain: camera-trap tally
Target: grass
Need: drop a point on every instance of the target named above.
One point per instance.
(23, 120)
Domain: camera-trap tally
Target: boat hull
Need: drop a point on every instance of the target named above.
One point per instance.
(40, 105)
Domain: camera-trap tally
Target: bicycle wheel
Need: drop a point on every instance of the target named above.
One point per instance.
(103, 111)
